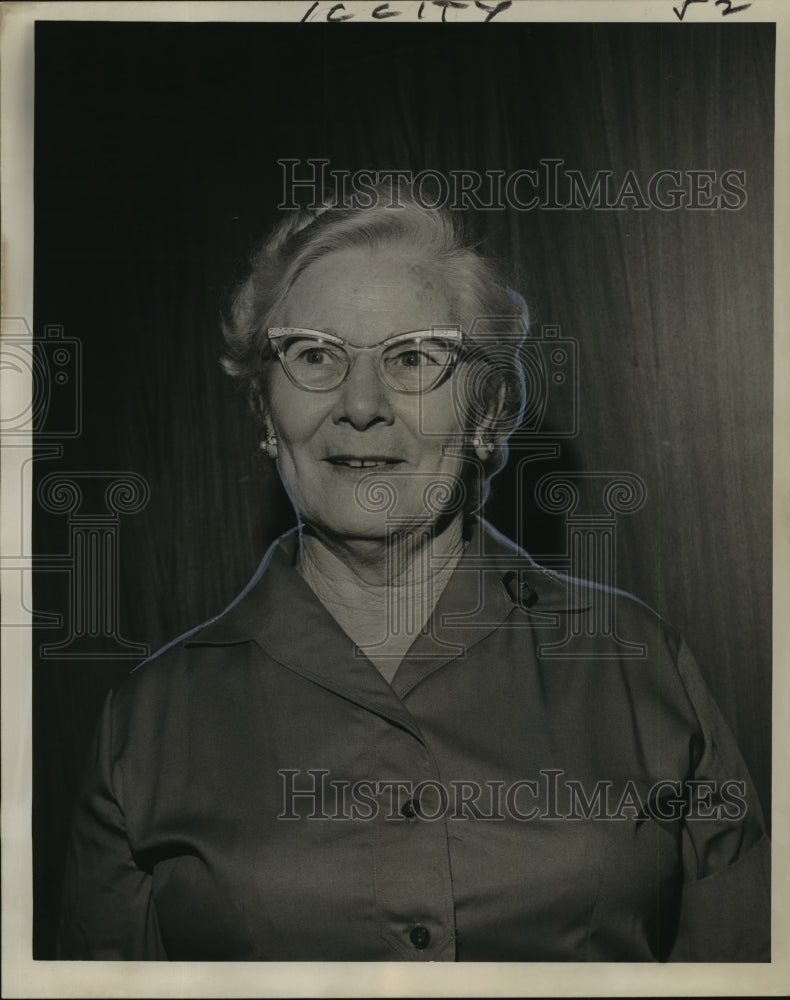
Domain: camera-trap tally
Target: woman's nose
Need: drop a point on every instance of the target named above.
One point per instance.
(363, 399)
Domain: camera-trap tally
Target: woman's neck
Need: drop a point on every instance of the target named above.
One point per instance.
(381, 592)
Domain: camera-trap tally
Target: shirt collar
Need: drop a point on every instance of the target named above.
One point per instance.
(492, 577)
(278, 611)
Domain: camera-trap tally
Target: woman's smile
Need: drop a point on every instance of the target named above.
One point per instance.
(353, 462)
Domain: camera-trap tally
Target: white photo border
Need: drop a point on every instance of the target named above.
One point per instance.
(24, 977)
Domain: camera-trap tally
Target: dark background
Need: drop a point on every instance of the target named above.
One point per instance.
(155, 174)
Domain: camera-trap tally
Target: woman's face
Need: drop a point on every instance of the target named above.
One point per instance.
(364, 297)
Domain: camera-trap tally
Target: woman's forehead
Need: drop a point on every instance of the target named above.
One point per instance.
(378, 292)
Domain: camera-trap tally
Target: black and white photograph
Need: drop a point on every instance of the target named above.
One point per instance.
(393, 545)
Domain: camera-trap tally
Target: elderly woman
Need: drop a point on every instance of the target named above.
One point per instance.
(372, 754)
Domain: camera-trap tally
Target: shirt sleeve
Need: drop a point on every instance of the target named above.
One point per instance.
(108, 907)
(725, 908)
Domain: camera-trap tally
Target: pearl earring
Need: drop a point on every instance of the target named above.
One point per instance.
(269, 446)
(483, 448)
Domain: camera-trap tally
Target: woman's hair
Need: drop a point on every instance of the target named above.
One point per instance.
(491, 317)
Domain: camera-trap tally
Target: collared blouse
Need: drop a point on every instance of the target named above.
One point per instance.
(546, 779)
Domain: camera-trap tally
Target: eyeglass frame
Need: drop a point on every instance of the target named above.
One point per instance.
(449, 332)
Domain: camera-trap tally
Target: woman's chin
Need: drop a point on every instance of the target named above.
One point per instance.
(373, 527)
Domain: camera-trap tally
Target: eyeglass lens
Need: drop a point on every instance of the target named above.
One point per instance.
(414, 365)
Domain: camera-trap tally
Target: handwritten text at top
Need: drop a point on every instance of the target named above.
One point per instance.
(726, 5)
(435, 10)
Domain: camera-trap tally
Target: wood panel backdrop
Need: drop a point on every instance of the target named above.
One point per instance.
(156, 173)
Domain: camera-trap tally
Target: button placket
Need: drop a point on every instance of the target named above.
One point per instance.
(411, 856)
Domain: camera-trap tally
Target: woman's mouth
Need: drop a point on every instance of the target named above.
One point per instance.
(367, 462)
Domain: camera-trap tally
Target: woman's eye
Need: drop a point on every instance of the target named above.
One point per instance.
(414, 359)
(312, 356)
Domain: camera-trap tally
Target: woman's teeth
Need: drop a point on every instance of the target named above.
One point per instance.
(362, 463)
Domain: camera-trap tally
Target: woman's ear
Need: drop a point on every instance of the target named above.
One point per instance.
(255, 400)
(489, 429)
